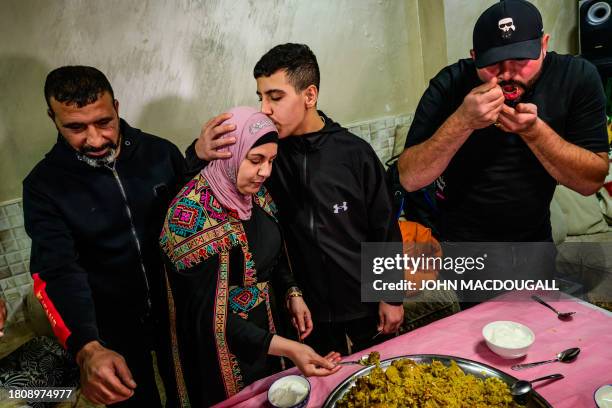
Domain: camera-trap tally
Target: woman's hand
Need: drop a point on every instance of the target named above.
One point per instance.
(312, 364)
(300, 316)
(304, 357)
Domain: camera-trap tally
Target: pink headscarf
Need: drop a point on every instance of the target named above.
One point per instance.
(221, 174)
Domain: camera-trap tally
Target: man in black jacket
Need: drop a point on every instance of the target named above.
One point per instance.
(93, 208)
(331, 194)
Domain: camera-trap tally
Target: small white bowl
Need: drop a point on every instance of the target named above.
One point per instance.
(283, 382)
(508, 339)
(603, 396)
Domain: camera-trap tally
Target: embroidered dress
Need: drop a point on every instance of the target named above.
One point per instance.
(219, 270)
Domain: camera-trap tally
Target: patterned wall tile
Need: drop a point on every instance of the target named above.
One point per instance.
(382, 134)
(15, 281)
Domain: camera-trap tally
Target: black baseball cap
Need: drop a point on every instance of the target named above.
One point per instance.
(510, 29)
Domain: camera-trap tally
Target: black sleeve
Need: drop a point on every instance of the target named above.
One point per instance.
(282, 275)
(586, 121)
(193, 163)
(60, 283)
(382, 222)
(181, 171)
(434, 108)
(246, 340)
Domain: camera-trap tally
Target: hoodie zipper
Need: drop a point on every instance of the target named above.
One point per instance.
(311, 223)
(310, 211)
(134, 235)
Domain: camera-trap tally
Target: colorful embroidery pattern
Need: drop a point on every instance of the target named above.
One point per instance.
(187, 217)
(250, 277)
(198, 227)
(264, 200)
(271, 326)
(244, 299)
(181, 388)
(212, 206)
(230, 370)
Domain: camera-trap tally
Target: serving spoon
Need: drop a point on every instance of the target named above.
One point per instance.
(560, 315)
(566, 356)
(524, 387)
(363, 361)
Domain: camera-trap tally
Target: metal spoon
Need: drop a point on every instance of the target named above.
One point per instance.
(560, 315)
(566, 356)
(363, 361)
(523, 387)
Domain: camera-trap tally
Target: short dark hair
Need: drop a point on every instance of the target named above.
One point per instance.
(76, 84)
(297, 60)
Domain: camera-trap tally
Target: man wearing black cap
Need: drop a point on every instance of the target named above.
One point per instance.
(504, 127)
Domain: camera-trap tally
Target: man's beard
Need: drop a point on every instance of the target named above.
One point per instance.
(107, 159)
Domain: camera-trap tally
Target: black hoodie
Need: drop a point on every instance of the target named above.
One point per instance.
(95, 255)
(331, 194)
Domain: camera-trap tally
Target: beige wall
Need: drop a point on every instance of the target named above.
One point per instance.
(559, 17)
(175, 63)
(433, 35)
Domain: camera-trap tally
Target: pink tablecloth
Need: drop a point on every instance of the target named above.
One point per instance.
(460, 335)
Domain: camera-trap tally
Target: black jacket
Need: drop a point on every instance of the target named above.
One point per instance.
(95, 255)
(331, 194)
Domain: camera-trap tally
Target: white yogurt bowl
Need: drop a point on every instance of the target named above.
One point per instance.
(291, 391)
(603, 396)
(508, 339)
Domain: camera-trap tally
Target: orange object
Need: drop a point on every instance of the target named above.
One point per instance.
(419, 242)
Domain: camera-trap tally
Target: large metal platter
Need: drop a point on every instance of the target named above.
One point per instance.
(534, 400)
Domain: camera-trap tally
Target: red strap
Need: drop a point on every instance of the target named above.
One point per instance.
(57, 323)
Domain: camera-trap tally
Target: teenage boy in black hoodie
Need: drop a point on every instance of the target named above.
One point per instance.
(330, 190)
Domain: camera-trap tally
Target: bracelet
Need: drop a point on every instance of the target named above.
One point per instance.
(293, 291)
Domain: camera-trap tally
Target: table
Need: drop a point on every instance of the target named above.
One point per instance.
(460, 335)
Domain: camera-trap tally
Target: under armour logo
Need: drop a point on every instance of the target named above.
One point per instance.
(342, 207)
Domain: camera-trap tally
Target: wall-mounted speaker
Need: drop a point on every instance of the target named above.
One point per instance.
(595, 28)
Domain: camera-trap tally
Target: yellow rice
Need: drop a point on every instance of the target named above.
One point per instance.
(408, 384)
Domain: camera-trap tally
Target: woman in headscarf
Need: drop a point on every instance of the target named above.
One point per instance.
(223, 248)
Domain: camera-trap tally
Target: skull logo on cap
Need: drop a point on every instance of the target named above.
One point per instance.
(506, 25)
